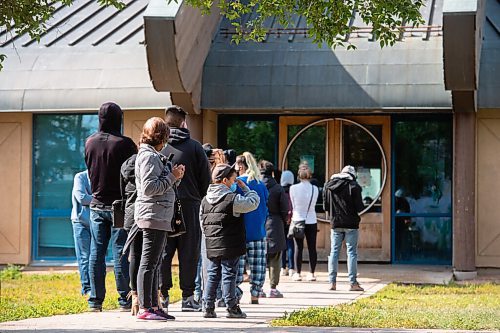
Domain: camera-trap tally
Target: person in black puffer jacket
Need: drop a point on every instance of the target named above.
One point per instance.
(278, 208)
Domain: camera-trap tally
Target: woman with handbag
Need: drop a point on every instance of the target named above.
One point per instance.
(154, 209)
(304, 224)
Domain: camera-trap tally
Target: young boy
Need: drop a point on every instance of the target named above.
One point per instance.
(224, 232)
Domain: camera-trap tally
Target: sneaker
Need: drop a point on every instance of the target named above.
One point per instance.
(220, 303)
(291, 272)
(275, 293)
(356, 287)
(94, 309)
(149, 315)
(311, 277)
(333, 286)
(126, 307)
(190, 305)
(296, 277)
(235, 312)
(262, 294)
(164, 301)
(162, 313)
(284, 272)
(210, 313)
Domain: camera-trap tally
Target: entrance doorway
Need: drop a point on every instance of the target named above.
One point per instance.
(327, 146)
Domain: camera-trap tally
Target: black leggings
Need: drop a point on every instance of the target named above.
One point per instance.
(135, 259)
(311, 231)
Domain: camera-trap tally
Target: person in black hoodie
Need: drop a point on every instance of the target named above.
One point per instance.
(105, 152)
(342, 199)
(191, 190)
(278, 207)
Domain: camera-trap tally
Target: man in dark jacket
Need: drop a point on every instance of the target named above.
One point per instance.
(192, 189)
(105, 152)
(342, 199)
(278, 207)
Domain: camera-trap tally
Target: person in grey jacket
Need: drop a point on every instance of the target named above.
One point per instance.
(154, 207)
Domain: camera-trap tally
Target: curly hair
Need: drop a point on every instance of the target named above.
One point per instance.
(154, 132)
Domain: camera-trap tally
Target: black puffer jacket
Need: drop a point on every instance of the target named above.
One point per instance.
(342, 198)
(278, 207)
(128, 176)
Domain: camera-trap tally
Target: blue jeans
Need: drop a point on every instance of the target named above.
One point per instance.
(287, 257)
(81, 234)
(221, 269)
(197, 281)
(102, 232)
(351, 241)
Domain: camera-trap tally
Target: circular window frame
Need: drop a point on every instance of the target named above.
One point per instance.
(384, 158)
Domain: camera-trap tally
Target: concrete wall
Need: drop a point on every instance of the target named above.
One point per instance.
(488, 183)
(15, 196)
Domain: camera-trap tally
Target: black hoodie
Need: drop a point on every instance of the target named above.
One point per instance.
(105, 152)
(189, 152)
(342, 198)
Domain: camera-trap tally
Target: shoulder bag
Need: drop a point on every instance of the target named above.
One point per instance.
(178, 227)
(298, 228)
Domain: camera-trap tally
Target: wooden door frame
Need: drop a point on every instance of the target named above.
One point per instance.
(334, 164)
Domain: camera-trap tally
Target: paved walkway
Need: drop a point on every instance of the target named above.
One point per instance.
(298, 295)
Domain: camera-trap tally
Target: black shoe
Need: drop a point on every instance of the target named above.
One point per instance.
(235, 312)
(126, 308)
(210, 313)
(164, 314)
(95, 309)
(190, 305)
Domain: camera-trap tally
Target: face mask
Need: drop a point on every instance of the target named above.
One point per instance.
(233, 187)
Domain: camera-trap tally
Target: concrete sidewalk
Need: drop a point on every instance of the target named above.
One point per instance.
(297, 295)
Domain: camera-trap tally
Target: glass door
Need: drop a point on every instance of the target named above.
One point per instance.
(330, 144)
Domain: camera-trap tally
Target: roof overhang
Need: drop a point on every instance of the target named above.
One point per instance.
(178, 38)
(462, 38)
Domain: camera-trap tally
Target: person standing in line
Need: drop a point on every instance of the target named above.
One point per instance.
(287, 257)
(303, 197)
(191, 190)
(255, 222)
(81, 197)
(224, 234)
(278, 207)
(342, 199)
(154, 208)
(105, 152)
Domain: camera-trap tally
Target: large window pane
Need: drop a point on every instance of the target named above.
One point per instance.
(423, 165)
(423, 240)
(253, 135)
(58, 153)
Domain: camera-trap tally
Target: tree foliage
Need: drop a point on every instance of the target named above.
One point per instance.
(328, 21)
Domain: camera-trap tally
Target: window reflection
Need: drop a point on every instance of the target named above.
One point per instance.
(362, 152)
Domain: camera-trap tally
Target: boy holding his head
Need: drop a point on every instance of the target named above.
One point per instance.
(224, 232)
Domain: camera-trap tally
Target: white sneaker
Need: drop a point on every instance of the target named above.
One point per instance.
(290, 272)
(296, 277)
(284, 272)
(311, 277)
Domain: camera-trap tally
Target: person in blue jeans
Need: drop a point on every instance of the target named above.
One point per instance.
(224, 232)
(342, 199)
(80, 218)
(105, 152)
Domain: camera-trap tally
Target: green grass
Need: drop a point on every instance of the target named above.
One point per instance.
(41, 295)
(459, 307)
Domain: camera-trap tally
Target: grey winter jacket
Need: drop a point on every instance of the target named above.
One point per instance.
(154, 206)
